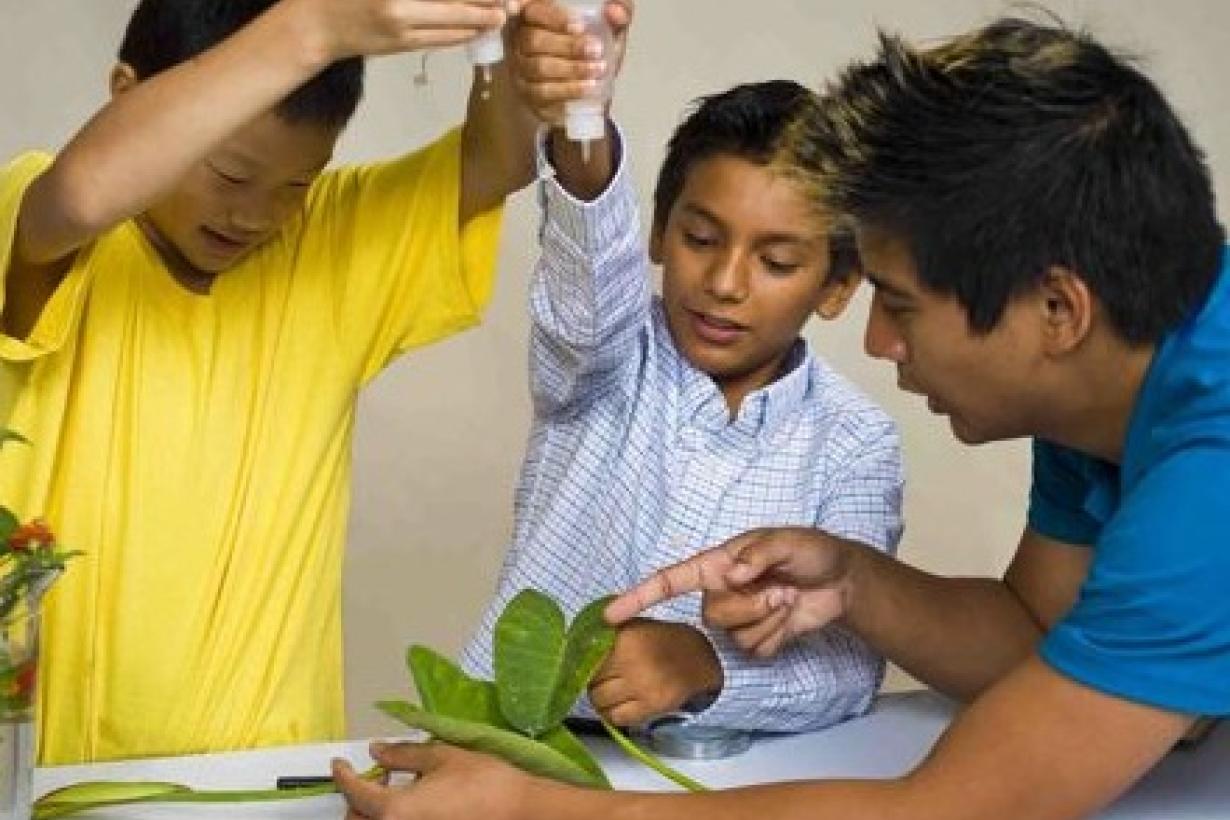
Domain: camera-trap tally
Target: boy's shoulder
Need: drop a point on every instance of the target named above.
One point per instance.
(833, 399)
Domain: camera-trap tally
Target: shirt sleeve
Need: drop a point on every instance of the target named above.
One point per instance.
(63, 310)
(829, 675)
(1061, 484)
(590, 294)
(402, 272)
(1152, 621)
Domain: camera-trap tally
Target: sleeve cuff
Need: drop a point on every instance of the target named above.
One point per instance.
(595, 226)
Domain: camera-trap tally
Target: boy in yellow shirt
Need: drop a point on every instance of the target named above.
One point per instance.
(197, 305)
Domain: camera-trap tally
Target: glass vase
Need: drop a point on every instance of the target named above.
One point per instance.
(18, 685)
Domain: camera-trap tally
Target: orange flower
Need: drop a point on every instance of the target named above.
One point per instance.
(32, 534)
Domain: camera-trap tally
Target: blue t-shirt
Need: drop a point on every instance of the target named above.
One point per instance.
(1152, 621)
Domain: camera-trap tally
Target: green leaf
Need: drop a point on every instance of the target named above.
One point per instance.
(541, 669)
(8, 525)
(85, 796)
(523, 752)
(589, 642)
(528, 654)
(446, 690)
(567, 744)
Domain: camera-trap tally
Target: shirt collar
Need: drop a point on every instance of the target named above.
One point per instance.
(763, 410)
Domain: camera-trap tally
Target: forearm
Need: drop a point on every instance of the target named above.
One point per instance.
(962, 634)
(836, 799)
(136, 148)
(497, 143)
(816, 681)
(590, 294)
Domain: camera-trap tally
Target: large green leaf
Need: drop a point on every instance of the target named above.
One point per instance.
(446, 690)
(589, 642)
(541, 668)
(528, 652)
(526, 753)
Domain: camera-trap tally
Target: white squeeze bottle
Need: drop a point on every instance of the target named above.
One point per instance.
(486, 50)
(585, 119)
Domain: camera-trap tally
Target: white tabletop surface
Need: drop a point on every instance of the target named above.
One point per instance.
(885, 743)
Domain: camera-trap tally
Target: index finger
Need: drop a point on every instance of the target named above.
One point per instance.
(550, 15)
(703, 571)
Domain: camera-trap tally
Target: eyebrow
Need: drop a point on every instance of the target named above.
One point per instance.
(778, 238)
(251, 163)
(878, 283)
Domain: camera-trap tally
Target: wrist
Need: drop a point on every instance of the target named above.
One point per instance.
(584, 171)
(856, 559)
(317, 40)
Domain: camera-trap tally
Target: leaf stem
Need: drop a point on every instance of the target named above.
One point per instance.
(652, 761)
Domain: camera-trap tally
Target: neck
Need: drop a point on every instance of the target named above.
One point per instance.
(187, 275)
(1102, 393)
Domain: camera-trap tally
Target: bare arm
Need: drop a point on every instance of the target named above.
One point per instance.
(960, 636)
(140, 144)
(1036, 745)
(497, 144)
(964, 634)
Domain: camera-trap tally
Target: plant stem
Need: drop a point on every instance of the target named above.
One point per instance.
(52, 809)
(653, 762)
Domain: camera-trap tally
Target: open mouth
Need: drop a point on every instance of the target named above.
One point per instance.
(715, 329)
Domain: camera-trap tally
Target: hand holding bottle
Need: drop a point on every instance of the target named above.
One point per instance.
(568, 50)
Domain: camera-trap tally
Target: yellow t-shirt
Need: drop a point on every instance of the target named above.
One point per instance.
(197, 449)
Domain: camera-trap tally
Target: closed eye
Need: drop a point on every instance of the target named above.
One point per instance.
(779, 267)
(697, 240)
(230, 179)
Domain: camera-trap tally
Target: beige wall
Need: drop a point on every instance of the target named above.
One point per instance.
(441, 433)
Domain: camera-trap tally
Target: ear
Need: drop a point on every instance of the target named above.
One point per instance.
(836, 295)
(1067, 307)
(123, 77)
(655, 242)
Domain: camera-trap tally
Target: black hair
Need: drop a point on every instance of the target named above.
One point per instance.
(165, 33)
(753, 122)
(1018, 147)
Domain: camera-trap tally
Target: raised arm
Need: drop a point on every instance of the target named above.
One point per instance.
(141, 143)
(589, 296)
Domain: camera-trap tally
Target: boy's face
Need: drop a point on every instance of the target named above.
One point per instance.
(744, 258)
(991, 387)
(238, 196)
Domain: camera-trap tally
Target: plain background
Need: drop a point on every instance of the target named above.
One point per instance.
(441, 433)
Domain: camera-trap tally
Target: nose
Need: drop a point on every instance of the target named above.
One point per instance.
(254, 214)
(727, 278)
(881, 339)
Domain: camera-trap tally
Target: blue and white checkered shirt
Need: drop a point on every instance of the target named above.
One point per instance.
(633, 464)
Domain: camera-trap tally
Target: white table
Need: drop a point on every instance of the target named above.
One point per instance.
(889, 741)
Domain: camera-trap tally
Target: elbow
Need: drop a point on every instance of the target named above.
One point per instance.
(75, 203)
